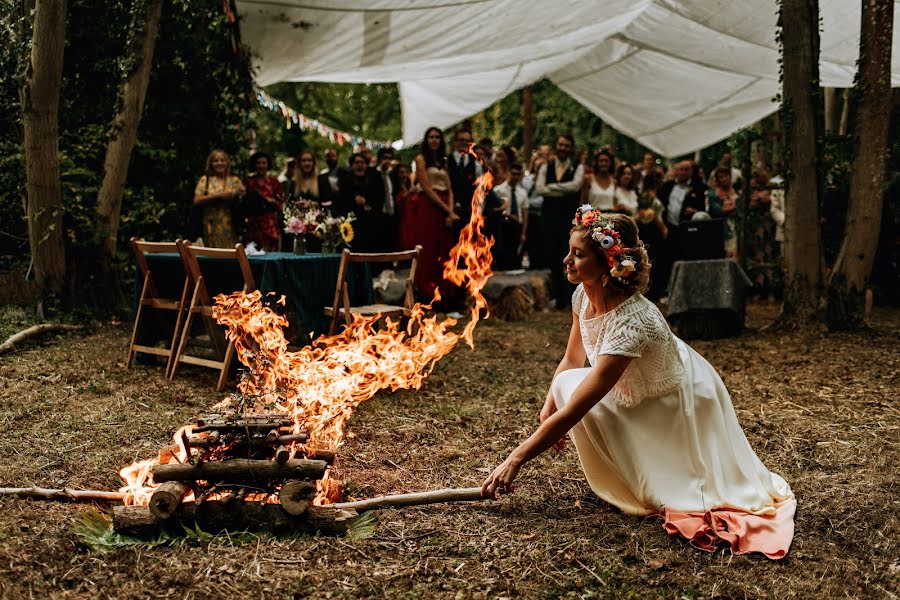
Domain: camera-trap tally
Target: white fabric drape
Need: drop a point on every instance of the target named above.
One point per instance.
(676, 75)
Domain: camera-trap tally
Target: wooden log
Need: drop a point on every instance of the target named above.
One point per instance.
(241, 469)
(135, 521)
(414, 499)
(326, 455)
(282, 454)
(296, 496)
(166, 498)
(215, 517)
(65, 494)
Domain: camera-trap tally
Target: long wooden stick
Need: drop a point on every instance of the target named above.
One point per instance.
(70, 494)
(32, 331)
(415, 499)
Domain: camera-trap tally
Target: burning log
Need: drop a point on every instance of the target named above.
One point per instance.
(135, 521)
(414, 499)
(241, 469)
(296, 496)
(167, 497)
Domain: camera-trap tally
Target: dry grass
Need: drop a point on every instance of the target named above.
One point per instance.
(819, 409)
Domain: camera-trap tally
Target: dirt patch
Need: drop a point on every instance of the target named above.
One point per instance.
(819, 409)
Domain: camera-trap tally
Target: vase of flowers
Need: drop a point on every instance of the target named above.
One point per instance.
(334, 231)
(299, 220)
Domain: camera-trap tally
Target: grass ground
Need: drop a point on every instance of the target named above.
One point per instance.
(819, 409)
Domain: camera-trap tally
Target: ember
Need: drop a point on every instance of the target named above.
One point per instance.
(300, 401)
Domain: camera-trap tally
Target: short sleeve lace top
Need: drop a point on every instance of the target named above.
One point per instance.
(637, 329)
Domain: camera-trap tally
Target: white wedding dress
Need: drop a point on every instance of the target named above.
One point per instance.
(666, 438)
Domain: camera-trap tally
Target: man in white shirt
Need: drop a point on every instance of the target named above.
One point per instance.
(515, 218)
(559, 182)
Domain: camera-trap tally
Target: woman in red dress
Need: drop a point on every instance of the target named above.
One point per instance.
(428, 215)
(264, 228)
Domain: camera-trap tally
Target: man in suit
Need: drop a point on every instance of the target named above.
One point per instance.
(682, 198)
(389, 216)
(559, 182)
(464, 169)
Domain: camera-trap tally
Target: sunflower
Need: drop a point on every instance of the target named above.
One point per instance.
(347, 232)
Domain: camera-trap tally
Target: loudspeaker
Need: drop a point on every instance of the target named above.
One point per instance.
(701, 240)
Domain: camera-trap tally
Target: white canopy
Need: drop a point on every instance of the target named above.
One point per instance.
(675, 75)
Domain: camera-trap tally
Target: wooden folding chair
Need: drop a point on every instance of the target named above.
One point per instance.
(151, 298)
(342, 295)
(202, 303)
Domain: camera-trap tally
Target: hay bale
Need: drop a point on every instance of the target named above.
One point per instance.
(540, 292)
(514, 304)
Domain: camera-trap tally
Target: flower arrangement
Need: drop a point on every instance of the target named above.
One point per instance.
(600, 229)
(302, 218)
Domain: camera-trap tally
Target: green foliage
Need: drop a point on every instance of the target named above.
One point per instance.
(197, 100)
(363, 526)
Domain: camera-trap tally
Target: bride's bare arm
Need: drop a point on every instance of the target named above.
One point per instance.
(592, 389)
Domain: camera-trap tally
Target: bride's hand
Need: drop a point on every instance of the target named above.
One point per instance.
(501, 480)
(549, 408)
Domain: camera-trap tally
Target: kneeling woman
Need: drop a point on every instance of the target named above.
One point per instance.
(652, 422)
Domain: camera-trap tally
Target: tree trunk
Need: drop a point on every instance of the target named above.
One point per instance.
(799, 21)
(124, 127)
(847, 283)
(40, 120)
(832, 103)
(845, 113)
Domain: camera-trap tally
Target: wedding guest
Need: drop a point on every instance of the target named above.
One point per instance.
(464, 169)
(599, 188)
(264, 228)
(761, 246)
(390, 217)
(487, 145)
(428, 215)
(309, 185)
(722, 201)
(681, 197)
(362, 193)
(559, 182)
(332, 169)
(215, 194)
(653, 232)
(653, 424)
(514, 212)
(726, 162)
(626, 197)
(286, 177)
(647, 166)
(534, 255)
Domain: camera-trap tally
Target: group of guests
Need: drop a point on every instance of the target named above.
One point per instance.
(528, 212)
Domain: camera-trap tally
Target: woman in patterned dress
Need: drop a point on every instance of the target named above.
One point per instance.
(652, 422)
(215, 194)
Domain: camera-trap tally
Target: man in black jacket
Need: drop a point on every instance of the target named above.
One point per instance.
(682, 198)
(463, 169)
(361, 191)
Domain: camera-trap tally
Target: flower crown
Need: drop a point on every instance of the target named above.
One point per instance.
(600, 229)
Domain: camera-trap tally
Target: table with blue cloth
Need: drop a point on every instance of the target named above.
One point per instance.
(306, 281)
(706, 298)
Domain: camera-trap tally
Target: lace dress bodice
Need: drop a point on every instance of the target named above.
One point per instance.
(634, 328)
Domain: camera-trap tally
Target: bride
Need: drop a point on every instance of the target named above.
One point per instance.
(651, 419)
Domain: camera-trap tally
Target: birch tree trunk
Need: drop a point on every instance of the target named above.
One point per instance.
(123, 134)
(799, 21)
(847, 283)
(40, 121)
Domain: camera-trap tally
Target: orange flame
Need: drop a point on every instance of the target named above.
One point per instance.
(320, 385)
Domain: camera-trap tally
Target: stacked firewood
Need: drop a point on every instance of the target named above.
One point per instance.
(243, 472)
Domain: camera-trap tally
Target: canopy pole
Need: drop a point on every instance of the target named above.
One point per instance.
(527, 123)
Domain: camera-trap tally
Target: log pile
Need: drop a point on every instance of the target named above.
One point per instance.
(245, 472)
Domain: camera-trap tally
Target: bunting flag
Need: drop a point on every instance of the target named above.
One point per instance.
(292, 117)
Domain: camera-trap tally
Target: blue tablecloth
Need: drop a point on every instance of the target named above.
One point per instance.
(307, 282)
